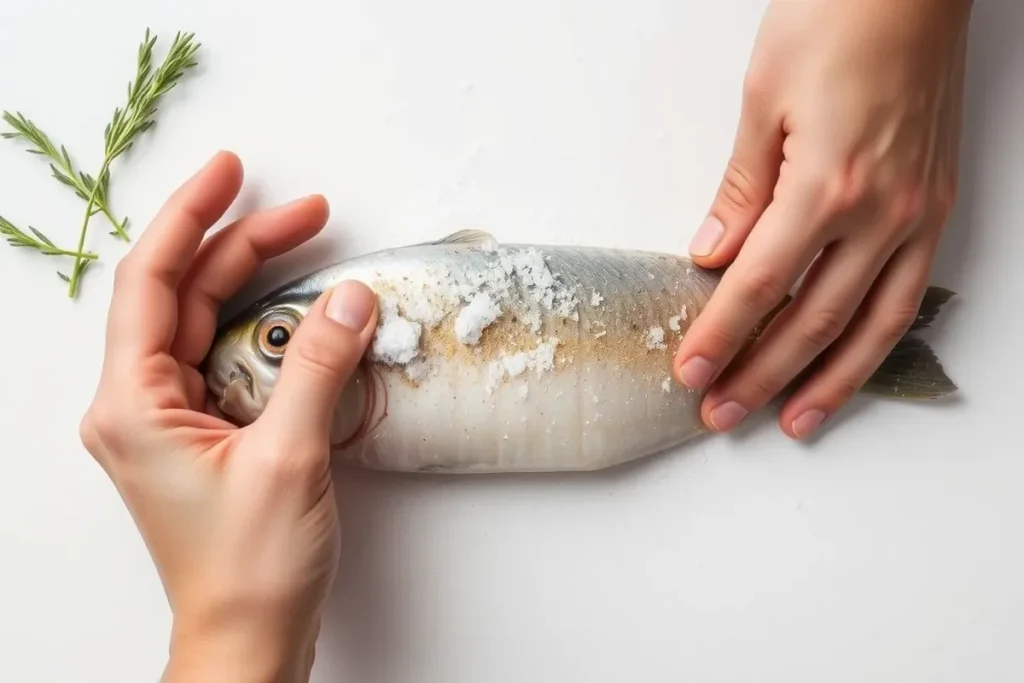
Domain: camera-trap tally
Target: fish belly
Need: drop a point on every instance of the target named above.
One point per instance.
(574, 374)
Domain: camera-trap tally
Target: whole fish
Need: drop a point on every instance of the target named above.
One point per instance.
(512, 358)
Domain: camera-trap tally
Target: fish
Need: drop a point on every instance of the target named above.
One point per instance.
(513, 358)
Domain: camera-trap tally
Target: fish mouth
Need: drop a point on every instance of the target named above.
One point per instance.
(237, 393)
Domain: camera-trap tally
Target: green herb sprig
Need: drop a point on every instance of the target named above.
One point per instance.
(128, 124)
(62, 167)
(40, 242)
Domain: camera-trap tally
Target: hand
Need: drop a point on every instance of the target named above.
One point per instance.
(847, 148)
(241, 523)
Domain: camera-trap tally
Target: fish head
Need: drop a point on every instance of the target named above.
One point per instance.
(244, 361)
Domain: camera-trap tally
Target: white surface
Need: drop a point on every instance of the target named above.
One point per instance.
(889, 551)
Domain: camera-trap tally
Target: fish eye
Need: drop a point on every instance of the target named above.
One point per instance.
(274, 332)
(278, 336)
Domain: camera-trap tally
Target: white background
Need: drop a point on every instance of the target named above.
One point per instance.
(889, 550)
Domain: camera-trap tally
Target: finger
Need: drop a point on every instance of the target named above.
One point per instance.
(828, 298)
(144, 306)
(779, 249)
(229, 258)
(196, 390)
(885, 317)
(320, 359)
(746, 188)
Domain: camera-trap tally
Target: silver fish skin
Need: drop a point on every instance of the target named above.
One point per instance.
(496, 358)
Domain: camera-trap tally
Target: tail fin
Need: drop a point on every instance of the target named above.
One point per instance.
(911, 370)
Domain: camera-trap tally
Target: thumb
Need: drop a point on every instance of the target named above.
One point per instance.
(746, 188)
(323, 354)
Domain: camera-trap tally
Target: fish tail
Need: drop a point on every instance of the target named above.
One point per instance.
(912, 370)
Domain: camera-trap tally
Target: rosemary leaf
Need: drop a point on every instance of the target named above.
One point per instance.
(37, 241)
(62, 168)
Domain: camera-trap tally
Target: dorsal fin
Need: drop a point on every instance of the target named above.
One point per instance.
(468, 236)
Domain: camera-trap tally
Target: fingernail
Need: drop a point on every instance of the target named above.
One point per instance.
(696, 372)
(707, 237)
(727, 416)
(805, 425)
(351, 305)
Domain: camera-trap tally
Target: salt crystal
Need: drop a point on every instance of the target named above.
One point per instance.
(540, 360)
(474, 319)
(516, 365)
(596, 298)
(397, 340)
(666, 385)
(655, 338)
(673, 323)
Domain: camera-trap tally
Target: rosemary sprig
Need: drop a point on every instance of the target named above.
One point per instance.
(129, 123)
(61, 166)
(39, 242)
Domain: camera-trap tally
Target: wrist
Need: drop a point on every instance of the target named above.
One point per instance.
(254, 651)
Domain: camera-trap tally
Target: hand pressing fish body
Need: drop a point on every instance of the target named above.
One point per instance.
(512, 358)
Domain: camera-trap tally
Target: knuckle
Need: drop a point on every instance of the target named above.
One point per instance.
(761, 388)
(101, 428)
(843, 189)
(317, 356)
(907, 207)
(154, 376)
(822, 328)
(87, 432)
(103, 421)
(946, 200)
(286, 463)
(718, 342)
(842, 390)
(124, 270)
(282, 467)
(756, 83)
(898, 320)
(761, 288)
(738, 190)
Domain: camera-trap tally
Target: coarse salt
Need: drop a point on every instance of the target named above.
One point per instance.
(655, 338)
(540, 359)
(397, 340)
(475, 318)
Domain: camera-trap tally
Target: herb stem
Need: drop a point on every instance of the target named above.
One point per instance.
(61, 165)
(84, 255)
(76, 272)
